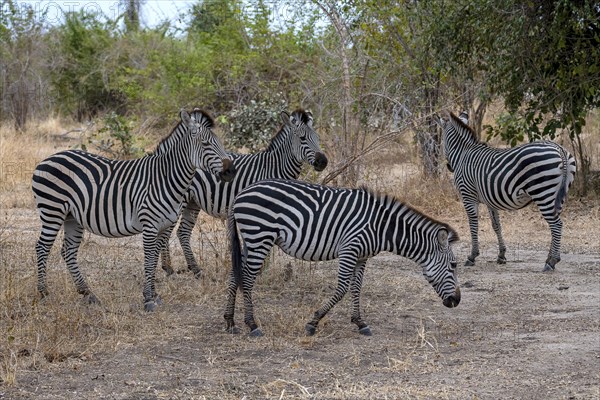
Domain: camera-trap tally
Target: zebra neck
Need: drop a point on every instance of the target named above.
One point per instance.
(458, 140)
(176, 168)
(401, 231)
(280, 161)
(171, 140)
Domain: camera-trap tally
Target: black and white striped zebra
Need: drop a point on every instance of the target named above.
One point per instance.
(508, 179)
(314, 222)
(296, 143)
(116, 198)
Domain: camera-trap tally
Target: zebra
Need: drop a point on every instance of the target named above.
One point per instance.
(508, 179)
(116, 198)
(295, 143)
(318, 223)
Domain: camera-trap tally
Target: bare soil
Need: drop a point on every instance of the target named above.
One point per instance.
(518, 333)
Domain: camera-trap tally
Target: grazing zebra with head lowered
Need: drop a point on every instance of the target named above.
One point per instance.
(508, 179)
(314, 222)
(295, 143)
(116, 198)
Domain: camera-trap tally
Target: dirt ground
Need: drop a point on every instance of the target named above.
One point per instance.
(517, 333)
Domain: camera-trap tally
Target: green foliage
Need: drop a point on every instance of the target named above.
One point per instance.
(81, 78)
(252, 126)
(542, 58)
(510, 129)
(116, 138)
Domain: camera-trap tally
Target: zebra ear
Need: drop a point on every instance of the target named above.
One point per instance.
(310, 119)
(285, 118)
(185, 117)
(442, 237)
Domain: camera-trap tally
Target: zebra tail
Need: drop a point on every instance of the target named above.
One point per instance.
(236, 250)
(566, 180)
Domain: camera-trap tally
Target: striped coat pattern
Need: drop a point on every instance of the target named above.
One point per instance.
(508, 179)
(115, 198)
(314, 222)
(294, 145)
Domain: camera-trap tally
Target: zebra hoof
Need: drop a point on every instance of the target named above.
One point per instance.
(310, 329)
(169, 271)
(150, 306)
(469, 262)
(158, 300)
(234, 330)
(548, 268)
(366, 331)
(197, 274)
(501, 260)
(91, 299)
(256, 332)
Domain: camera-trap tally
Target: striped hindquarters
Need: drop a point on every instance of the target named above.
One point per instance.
(98, 192)
(307, 221)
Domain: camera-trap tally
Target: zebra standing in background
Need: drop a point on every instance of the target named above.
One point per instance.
(508, 179)
(318, 223)
(295, 143)
(116, 198)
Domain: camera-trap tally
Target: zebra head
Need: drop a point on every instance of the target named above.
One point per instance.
(440, 265)
(206, 151)
(306, 142)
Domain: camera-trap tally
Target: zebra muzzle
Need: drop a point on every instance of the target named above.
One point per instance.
(453, 300)
(228, 171)
(320, 161)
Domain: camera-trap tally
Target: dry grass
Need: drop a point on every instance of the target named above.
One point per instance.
(20, 153)
(62, 348)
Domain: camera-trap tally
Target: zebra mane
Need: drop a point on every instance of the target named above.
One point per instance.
(457, 121)
(279, 136)
(388, 200)
(178, 131)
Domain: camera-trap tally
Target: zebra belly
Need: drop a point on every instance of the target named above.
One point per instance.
(312, 253)
(515, 201)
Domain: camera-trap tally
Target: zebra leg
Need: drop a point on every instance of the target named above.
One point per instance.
(184, 233)
(70, 247)
(472, 209)
(249, 274)
(555, 224)
(165, 257)
(50, 229)
(152, 241)
(355, 287)
(251, 266)
(230, 307)
(495, 217)
(345, 271)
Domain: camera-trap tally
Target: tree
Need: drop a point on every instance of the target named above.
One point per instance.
(82, 72)
(22, 55)
(398, 34)
(132, 14)
(542, 58)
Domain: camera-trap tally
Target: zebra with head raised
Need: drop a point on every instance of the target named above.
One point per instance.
(508, 179)
(296, 143)
(314, 222)
(116, 198)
